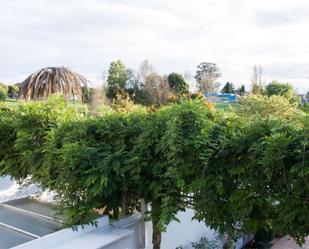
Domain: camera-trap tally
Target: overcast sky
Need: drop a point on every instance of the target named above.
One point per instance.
(174, 35)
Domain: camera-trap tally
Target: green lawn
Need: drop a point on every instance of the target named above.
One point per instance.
(83, 107)
(11, 102)
(80, 106)
(223, 106)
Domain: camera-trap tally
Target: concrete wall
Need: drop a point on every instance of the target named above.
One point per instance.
(181, 233)
(123, 234)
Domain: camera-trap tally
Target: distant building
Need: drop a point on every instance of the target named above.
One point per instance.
(221, 97)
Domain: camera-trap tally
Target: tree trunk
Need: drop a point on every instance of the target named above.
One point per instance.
(156, 237)
(124, 204)
(143, 228)
(156, 233)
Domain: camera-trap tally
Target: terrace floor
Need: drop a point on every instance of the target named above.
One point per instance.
(287, 242)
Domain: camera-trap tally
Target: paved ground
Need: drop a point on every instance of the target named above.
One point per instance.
(288, 243)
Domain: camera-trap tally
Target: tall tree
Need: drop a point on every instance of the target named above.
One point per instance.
(177, 83)
(242, 90)
(117, 78)
(134, 86)
(133, 80)
(256, 79)
(228, 88)
(146, 68)
(156, 89)
(206, 76)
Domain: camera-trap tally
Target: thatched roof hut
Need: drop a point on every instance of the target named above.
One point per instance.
(51, 80)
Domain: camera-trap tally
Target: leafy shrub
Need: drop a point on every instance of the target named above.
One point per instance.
(168, 151)
(282, 89)
(123, 103)
(244, 176)
(23, 131)
(251, 179)
(263, 106)
(98, 154)
(133, 152)
(3, 93)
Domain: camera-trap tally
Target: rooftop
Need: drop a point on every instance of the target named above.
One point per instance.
(25, 219)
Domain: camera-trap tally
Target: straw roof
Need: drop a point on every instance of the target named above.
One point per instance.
(51, 80)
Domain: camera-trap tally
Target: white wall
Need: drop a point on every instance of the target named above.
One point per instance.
(181, 233)
(123, 234)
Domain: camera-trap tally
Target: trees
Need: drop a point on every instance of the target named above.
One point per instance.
(13, 91)
(117, 78)
(228, 88)
(206, 75)
(242, 90)
(156, 89)
(133, 83)
(277, 88)
(260, 105)
(144, 93)
(145, 86)
(145, 70)
(3, 92)
(256, 79)
(282, 89)
(87, 93)
(177, 83)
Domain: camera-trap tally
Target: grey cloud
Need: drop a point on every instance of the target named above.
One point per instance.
(278, 18)
(287, 71)
(272, 19)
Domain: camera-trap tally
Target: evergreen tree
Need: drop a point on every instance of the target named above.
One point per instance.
(228, 88)
(117, 78)
(177, 83)
(242, 90)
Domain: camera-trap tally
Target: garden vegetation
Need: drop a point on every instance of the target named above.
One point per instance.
(240, 173)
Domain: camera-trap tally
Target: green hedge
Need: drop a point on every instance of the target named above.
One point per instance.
(243, 175)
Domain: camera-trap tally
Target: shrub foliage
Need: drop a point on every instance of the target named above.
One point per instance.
(239, 174)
